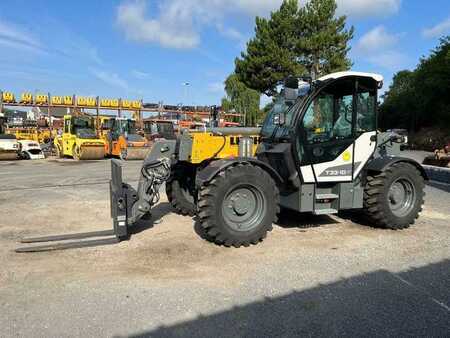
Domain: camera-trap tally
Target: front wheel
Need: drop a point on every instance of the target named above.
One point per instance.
(238, 207)
(393, 199)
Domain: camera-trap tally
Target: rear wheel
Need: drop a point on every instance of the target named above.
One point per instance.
(238, 207)
(393, 199)
(180, 189)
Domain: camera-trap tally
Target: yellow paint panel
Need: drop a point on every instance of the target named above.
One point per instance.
(41, 99)
(57, 100)
(68, 100)
(206, 146)
(8, 97)
(26, 98)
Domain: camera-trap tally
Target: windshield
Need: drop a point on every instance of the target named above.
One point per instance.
(288, 108)
(127, 126)
(86, 133)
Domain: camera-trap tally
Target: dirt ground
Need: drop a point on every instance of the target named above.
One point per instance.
(314, 275)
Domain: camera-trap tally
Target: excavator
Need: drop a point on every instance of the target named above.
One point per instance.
(122, 139)
(319, 151)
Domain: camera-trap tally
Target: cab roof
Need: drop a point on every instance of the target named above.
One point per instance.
(377, 77)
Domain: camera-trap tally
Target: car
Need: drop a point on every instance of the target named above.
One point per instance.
(30, 150)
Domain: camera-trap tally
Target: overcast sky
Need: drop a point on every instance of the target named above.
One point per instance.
(148, 49)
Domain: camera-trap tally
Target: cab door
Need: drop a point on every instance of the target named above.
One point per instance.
(331, 145)
(66, 137)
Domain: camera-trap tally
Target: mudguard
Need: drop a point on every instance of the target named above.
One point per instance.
(382, 163)
(210, 171)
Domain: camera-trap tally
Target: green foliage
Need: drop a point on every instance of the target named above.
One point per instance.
(295, 41)
(242, 100)
(420, 98)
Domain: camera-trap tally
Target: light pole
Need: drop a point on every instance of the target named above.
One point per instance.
(186, 93)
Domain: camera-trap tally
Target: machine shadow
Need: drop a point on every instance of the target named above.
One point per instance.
(379, 303)
(441, 186)
(158, 212)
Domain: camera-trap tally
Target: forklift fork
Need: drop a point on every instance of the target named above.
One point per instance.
(122, 198)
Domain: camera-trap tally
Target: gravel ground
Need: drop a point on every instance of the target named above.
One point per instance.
(314, 276)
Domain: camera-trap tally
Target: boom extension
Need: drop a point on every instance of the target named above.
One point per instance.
(127, 207)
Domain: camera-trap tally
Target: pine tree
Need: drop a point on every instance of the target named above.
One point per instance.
(295, 41)
(322, 40)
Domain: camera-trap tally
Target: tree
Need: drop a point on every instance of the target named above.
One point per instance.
(295, 41)
(322, 40)
(270, 56)
(420, 98)
(242, 100)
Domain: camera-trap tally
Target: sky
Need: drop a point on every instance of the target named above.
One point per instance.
(150, 49)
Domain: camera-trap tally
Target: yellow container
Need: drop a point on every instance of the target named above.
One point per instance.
(126, 104)
(91, 102)
(41, 99)
(105, 102)
(114, 103)
(136, 104)
(81, 101)
(8, 97)
(68, 100)
(56, 100)
(26, 98)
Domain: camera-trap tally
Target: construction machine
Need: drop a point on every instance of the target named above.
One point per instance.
(318, 151)
(122, 139)
(79, 139)
(9, 147)
(155, 129)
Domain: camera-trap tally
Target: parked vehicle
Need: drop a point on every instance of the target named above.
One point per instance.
(30, 150)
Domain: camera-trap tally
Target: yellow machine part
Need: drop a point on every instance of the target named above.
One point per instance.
(68, 100)
(57, 100)
(41, 99)
(136, 104)
(91, 102)
(114, 103)
(105, 102)
(126, 104)
(8, 97)
(26, 98)
(206, 146)
(81, 101)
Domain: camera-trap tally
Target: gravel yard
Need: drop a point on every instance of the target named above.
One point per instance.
(313, 275)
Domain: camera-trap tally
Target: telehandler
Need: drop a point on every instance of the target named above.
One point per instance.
(318, 151)
(122, 139)
(79, 139)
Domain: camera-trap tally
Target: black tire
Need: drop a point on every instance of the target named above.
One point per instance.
(180, 189)
(214, 199)
(380, 203)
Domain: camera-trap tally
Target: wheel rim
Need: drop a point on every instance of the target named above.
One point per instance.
(401, 197)
(244, 207)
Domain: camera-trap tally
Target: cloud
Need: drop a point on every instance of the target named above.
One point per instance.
(173, 28)
(13, 36)
(437, 30)
(377, 39)
(368, 8)
(140, 75)
(391, 60)
(379, 47)
(111, 79)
